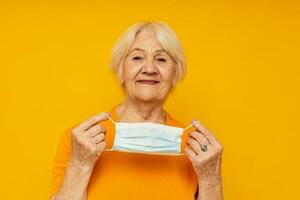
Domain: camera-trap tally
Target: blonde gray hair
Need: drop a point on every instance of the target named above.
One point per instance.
(166, 37)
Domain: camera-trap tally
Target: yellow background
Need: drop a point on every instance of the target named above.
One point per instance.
(243, 66)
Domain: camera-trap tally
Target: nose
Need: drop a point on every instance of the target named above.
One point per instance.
(149, 68)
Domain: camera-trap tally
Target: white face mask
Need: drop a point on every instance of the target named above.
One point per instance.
(147, 137)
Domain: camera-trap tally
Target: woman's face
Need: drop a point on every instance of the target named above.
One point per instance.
(148, 70)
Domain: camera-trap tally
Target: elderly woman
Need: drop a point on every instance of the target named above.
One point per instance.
(148, 61)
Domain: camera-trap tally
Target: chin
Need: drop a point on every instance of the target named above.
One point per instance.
(148, 97)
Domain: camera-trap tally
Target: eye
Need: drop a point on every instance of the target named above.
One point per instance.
(137, 58)
(161, 60)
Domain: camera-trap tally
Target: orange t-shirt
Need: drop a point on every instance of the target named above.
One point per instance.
(123, 175)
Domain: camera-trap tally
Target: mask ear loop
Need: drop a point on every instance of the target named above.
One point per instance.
(113, 123)
(110, 118)
(194, 122)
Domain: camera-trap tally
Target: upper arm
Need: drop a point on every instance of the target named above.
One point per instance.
(60, 162)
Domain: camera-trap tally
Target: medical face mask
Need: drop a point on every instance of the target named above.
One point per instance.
(147, 137)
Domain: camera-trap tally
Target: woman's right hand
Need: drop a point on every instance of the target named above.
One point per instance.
(88, 141)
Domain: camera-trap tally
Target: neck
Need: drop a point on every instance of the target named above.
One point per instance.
(136, 111)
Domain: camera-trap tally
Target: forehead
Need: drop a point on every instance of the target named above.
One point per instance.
(146, 40)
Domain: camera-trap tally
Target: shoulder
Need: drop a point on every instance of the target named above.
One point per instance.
(172, 121)
(66, 137)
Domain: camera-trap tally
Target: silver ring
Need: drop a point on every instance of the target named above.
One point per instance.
(203, 147)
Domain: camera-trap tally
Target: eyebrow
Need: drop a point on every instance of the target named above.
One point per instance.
(139, 49)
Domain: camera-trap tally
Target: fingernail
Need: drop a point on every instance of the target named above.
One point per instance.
(194, 121)
(106, 114)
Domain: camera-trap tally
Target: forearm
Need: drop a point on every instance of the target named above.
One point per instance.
(210, 190)
(75, 182)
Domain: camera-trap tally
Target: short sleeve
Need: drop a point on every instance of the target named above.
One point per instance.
(61, 160)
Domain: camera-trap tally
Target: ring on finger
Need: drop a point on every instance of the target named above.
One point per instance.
(203, 147)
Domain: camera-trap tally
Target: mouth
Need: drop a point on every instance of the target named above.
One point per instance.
(149, 82)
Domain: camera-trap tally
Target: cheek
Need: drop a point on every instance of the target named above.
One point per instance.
(168, 74)
(130, 71)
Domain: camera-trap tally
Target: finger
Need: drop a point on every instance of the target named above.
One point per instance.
(190, 153)
(200, 127)
(101, 146)
(194, 144)
(199, 137)
(98, 138)
(95, 130)
(91, 121)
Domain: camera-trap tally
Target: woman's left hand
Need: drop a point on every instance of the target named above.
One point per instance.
(205, 153)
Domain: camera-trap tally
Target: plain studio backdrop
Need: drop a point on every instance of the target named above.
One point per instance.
(242, 83)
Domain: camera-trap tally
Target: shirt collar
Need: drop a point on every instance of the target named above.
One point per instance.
(114, 116)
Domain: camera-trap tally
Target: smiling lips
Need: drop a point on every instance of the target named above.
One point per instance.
(151, 82)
